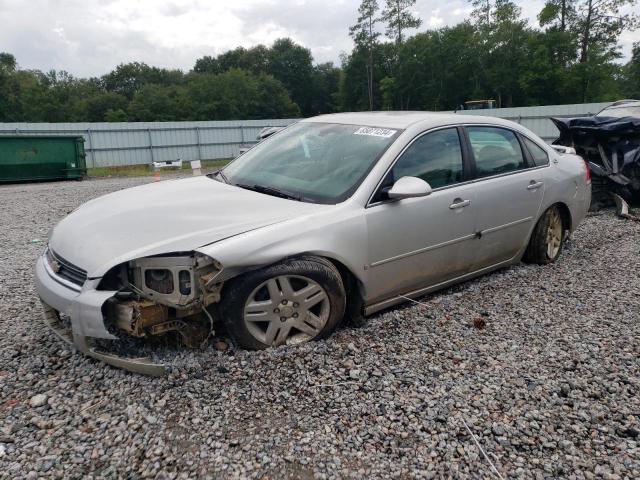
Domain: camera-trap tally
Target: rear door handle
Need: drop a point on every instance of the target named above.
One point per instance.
(459, 203)
(533, 185)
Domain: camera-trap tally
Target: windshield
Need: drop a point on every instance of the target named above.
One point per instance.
(315, 162)
(619, 112)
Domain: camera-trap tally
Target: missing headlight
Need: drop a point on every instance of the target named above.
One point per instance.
(175, 280)
(164, 293)
(184, 278)
(160, 280)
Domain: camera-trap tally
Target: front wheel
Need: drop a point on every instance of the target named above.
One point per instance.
(292, 302)
(546, 240)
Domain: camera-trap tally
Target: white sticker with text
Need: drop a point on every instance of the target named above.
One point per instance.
(375, 132)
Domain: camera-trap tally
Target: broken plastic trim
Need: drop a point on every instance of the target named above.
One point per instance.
(142, 365)
(622, 208)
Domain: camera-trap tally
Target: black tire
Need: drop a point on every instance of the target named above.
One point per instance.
(538, 248)
(236, 293)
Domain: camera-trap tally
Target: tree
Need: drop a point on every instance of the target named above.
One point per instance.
(158, 103)
(353, 93)
(398, 18)
(207, 64)
(558, 14)
(600, 23)
(438, 69)
(326, 83)
(8, 86)
(118, 115)
(631, 74)
(128, 78)
(8, 63)
(292, 65)
(236, 94)
(365, 36)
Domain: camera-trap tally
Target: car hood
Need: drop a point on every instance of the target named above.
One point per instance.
(164, 217)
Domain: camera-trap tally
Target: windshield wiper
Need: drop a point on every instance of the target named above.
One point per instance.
(221, 175)
(276, 192)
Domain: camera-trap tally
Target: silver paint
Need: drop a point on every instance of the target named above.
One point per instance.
(396, 249)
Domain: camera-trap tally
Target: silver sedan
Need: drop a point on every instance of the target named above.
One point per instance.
(336, 216)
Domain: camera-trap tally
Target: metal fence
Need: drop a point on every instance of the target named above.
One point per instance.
(537, 120)
(115, 144)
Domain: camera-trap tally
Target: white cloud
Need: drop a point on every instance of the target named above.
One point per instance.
(90, 37)
(435, 20)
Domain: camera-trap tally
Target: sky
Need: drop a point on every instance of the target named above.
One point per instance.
(91, 37)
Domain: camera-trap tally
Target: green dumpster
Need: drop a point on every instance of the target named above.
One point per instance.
(24, 158)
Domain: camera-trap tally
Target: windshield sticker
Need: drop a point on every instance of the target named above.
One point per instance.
(375, 132)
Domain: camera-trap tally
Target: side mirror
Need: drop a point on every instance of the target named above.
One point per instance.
(409, 187)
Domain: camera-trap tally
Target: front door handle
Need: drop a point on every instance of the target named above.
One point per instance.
(459, 203)
(533, 185)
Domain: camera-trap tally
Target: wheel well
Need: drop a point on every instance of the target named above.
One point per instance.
(565, 214)
(348, 278)
(355, 303)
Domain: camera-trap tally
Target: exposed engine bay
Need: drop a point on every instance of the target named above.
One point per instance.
(162, 294)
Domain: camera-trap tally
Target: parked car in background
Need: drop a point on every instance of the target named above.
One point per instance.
(337, 215)
(621, 109)
(266, 132)
(610, 141)
(478, 105)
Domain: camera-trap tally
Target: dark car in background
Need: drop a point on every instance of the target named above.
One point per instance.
(610, 142)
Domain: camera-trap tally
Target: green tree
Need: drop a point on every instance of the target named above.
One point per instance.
(365, 36)
(158, 103)
(292, 65)
(600, 23)
(398, 18)
(8, 87)
(353, 94)
(631, 74)
(558, 14)
(128, 78)
(118, 115)
(237, 94)
(207, 64)
(8, 63)
(437, 68)
(503, 40)
(326, 83)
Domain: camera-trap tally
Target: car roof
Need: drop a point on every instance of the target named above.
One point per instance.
(404, 119)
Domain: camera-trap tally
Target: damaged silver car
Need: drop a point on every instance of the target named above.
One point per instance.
(336, 216)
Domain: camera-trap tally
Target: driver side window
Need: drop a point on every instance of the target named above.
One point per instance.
(435, 157)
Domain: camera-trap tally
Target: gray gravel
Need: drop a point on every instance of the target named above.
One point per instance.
(542, 363)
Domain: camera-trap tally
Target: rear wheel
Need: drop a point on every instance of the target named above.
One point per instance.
(546, 240)
(292, 302)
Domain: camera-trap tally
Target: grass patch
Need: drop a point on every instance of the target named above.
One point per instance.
(146, 170)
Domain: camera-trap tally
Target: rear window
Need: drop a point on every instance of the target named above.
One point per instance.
(540, 157)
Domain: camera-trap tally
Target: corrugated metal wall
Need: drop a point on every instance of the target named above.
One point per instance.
(537, 120)
(113, 144)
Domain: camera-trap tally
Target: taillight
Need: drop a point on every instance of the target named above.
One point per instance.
(586, 165)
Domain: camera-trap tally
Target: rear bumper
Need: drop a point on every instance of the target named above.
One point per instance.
(84, 307)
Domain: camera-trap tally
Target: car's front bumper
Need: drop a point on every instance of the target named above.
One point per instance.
(84, 308)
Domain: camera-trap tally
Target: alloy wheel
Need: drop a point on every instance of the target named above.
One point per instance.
(554, 234)
(286, 309)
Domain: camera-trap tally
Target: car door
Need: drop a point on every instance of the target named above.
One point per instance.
(509, 195)
(422, 241)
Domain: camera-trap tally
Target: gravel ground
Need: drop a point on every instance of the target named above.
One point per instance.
(541, 363)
